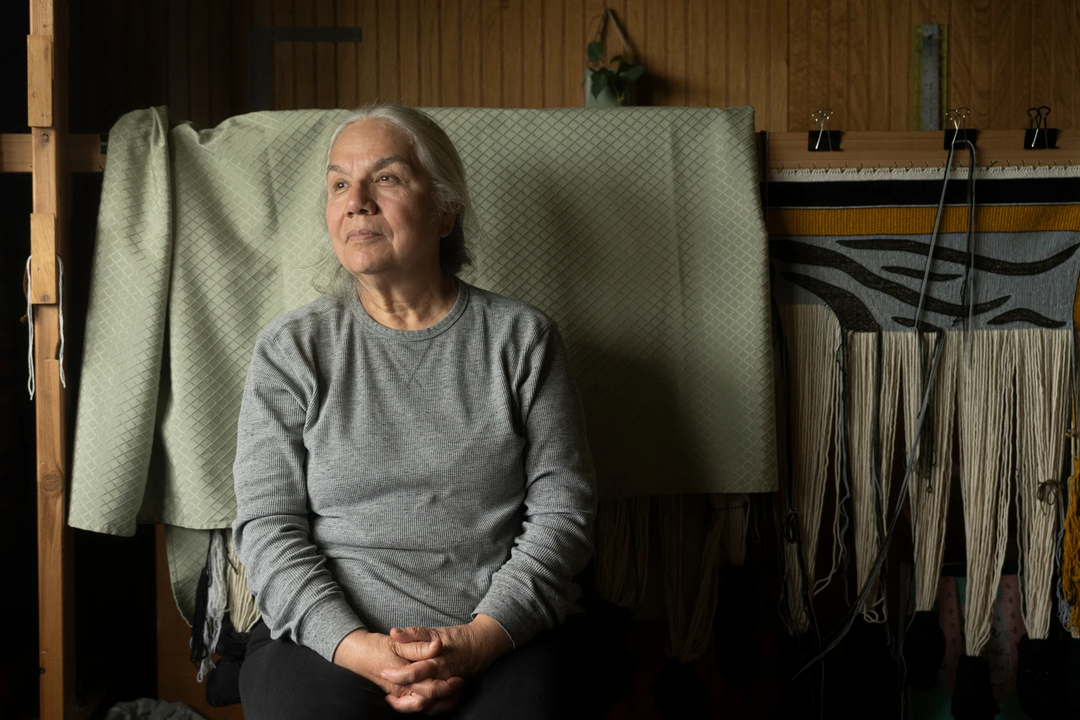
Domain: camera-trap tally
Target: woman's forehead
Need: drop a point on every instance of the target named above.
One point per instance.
(370, 142)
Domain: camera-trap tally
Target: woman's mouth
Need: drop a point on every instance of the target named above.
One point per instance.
(361, 235)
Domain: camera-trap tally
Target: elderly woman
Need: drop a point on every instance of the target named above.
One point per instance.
(414, 489)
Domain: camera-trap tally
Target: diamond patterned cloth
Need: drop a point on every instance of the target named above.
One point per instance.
(638, 230)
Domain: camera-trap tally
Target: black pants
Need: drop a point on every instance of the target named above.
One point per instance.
(559, 674)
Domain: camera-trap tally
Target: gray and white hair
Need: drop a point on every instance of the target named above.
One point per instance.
(439, 157)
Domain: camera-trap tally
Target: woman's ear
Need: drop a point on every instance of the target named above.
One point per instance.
(447, 221)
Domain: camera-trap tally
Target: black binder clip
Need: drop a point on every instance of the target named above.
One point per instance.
(960, 132)
(823, 139)
(1038, 136)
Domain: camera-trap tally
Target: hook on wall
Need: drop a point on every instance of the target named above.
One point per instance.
(824, 139)
(1038, 136)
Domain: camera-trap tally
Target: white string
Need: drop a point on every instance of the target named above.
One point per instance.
(30, 329)
(216, 602)
(242, 609)
(31, 383)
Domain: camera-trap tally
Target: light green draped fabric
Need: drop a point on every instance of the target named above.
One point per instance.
(638, 230)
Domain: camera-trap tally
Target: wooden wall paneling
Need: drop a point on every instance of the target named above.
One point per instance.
(532, 52)
(799, 65)
(1042, 54)
(634, 24)
(1001, 67)
(411, 50)
(697, 63)
(513, 72)
(491, 57)
(778, 65)
(877, 67)
(368, 72)
(838, 64)
(325, 58)
(677, 64)
(1063, 106)
(199, 69)
(304, 56)
(177, 99)
(389, 47)
(284, 84)
(575, 45)
(552, 56)
(221, 89)
(348, 55)
(981, 52)
(737, 93)
(1020, 93)
(960, 26)
(240, 20)
(818, 67)
(429, 53)
(450, 58)
(472, 46)
(757, 61)
(899, 78)
(593, 12)
(654, 48)
(858, 61)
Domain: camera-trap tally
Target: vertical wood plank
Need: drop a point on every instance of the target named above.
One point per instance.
(636, 32)
(1020, 95)
(1066, 96)
(655, 49)
(736, 35)
(1001, 66)
(325, 58)
(858, 62)
(575, 46)
(411, 50)
(240, 22)
(757, 66)
(960, 32)
(778, 66)
(348, 56)
(304, 56)
(513, 74)
(981, 52)
(799, 65)
(199, 69)
(819, 58)
(430, 57)
(284, 84)
(368, 91)
(838, 64)
(471, 47)
(676, 51)
(220, 59)
(533, 38)
(877, 73)
(389, 75)
(553, 54)
(900, 29)
(491, 17)
(450, 61)
(697, 63)
(1042, 54)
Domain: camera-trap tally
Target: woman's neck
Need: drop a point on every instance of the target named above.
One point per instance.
(407, 306)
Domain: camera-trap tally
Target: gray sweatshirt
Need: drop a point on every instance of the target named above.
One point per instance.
(387, 478)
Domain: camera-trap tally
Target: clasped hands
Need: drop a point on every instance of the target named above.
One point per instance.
(424, 669)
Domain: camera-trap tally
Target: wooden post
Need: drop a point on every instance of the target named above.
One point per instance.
(47, 46)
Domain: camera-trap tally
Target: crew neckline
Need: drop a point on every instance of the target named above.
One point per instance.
(438, 328)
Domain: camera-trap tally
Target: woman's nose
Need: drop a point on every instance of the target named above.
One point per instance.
(361, 201)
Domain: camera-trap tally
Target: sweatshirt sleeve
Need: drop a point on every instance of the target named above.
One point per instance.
(294, 590)
(534, 589)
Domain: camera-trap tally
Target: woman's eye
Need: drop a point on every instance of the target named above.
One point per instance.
(338, 185)
(387, 178)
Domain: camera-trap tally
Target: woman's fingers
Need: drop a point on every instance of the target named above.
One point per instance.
(415, 643)
(413, 672)
(429, 695)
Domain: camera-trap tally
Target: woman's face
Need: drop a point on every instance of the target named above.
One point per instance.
(380, 208)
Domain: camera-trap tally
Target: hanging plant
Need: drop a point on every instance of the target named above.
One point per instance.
(618, 74)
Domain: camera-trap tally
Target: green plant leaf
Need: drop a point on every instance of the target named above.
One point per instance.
(634, 73)
(596, 52)
(599, 82)
(617, 60)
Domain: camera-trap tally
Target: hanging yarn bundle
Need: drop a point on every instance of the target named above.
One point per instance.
(1042, 379)
(812, 337)
(622, 549)
(985, 391)
(211, 600)
(242, 611)
(928, 495)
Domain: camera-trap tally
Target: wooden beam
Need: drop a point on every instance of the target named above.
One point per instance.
(84, 153)
(51, 187)
(993, 148)
(43, 254)
(39, 80)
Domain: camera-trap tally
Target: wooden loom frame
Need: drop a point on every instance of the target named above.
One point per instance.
(50, 154)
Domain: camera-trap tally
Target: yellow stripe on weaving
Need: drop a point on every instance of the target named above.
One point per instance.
(920, 220)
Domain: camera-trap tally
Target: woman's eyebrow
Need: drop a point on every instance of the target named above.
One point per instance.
(378, 166)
